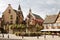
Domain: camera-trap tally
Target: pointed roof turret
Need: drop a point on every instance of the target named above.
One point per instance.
(19, 8)
(20, 11)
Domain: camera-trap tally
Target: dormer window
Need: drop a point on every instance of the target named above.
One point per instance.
(9, 11)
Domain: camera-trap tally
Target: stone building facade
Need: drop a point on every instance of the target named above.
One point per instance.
(12, 16)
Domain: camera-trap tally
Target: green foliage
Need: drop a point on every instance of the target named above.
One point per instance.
(28, 34)
(44, 33)
(38, 27)
(17, 26)
(48, 33)
(22, 26)
(19, 33)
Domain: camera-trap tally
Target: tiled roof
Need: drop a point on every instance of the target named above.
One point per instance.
(37, 16)
(51, 19)
(15, 10)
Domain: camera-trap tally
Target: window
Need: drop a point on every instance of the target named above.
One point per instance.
(19, 16)
(55, 25)
(11, 22)
(9, 11)
(58, 24)
(58, 27)
(50, 25)
(47, 27)
(11, 17)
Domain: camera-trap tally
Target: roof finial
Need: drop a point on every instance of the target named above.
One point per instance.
(9, 4)
(30, 11)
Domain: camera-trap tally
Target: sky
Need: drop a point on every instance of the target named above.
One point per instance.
(39, 7)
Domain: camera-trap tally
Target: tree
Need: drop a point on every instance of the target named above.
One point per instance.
(18, 27)
(38, 27)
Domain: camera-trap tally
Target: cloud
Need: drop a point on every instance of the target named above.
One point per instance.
(40, 7)
(51, 2)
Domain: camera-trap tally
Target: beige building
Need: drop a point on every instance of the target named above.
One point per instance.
(0, 21)
(52, 23)
(12, 16)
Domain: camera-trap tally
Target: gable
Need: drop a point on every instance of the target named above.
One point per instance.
(8, 14)
(9, 8)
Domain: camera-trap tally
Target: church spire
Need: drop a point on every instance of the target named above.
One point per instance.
(19, 8)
